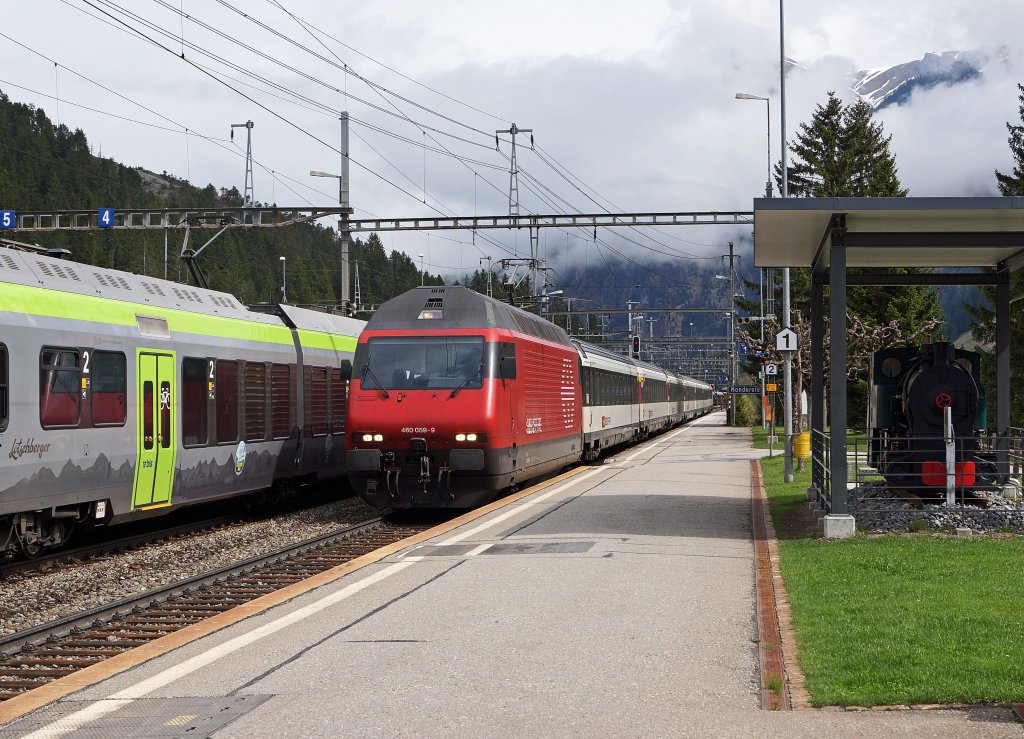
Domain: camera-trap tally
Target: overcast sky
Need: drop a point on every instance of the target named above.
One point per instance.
(636, 100)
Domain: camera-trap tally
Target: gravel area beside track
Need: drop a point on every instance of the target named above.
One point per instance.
(39, 597)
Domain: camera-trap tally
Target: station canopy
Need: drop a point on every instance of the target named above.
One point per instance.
(891, 232)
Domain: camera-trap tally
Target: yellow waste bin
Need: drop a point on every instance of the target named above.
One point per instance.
(802, 445)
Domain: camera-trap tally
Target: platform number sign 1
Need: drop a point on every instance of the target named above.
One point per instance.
(8, 218)
(786, 340)
(105, 217)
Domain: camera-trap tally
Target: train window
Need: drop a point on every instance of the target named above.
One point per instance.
(255, 394)
(195, 390)
(227, 401)
(147, 415)
(165, 415)
(281, 401)
(507, 360)
(4, 395)
(109, 389)
(317, 394)
(339, 400)
(60, 393)
(422, 362)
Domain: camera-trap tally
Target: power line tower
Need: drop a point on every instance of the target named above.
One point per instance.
(513, 176)
(248, 125)
(357, 295)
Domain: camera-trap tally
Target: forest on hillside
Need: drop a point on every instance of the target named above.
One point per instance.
(48, 167)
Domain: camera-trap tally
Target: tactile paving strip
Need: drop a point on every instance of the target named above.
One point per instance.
(149, 717)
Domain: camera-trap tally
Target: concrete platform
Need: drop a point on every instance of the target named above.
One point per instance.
(619, 602)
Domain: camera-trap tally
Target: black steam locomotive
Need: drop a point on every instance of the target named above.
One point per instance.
(912, 392)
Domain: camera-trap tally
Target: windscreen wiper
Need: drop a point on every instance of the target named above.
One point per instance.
(380, 385)
(479, 372)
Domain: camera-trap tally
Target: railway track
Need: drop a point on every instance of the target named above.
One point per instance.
(35, 657)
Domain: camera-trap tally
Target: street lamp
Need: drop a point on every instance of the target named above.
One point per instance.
(768, 108)
(421, 270)
(343, 233)
(284, 280)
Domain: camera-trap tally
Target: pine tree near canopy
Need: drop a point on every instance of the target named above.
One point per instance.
(842, 152)
(983, 326)
(1013, 184)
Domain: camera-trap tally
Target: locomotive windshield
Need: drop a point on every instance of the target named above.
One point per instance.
(421, 362)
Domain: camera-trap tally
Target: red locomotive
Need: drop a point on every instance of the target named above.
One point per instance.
(456, 396)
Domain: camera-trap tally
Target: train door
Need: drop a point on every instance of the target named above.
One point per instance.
(154, 468)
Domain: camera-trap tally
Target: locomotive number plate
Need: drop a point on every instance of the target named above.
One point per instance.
(418, 430)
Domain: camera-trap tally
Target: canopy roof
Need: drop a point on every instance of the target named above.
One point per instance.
(892, 232)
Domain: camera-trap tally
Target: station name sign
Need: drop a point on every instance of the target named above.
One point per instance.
(745, 390)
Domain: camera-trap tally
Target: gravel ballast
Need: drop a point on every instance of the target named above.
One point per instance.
(34, 598)
(878, 509)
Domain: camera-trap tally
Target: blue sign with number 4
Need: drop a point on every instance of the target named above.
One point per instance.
(105, 217)
(8, 219)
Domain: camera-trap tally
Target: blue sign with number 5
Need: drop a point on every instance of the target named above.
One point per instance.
(105, 217)
(8, 219)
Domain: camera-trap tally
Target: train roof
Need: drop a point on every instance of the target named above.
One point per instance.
(458, 307)
(592, 350)
(38, 270)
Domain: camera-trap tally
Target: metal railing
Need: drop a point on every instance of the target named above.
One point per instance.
(981, 476)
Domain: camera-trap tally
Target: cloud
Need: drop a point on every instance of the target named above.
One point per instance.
(636, 100)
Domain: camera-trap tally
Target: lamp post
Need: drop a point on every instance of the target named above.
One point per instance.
(343, 232)
(422, 273)
(768, 109)
(788, 401)
(284, 280)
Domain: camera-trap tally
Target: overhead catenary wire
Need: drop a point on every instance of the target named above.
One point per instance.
(504, 119)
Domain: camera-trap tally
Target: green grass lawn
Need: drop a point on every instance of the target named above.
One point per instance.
(900, 619)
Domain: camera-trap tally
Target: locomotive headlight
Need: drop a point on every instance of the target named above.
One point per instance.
(468, 437)
(367, 437)
(378, 437)
(460, 437)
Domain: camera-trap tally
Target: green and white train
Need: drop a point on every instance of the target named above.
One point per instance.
(124, 396)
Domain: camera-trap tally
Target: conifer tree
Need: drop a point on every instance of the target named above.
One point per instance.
(1013, 184)
(843, 152)
(983, 326)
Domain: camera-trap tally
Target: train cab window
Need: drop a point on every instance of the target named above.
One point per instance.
(4, 395)
(282, 399)
(227, 401)
(60, 394)
(195, 389)
(421, 362)
(109, 388)
(255, 401)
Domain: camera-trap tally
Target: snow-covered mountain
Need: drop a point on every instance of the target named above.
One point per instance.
(893, 85)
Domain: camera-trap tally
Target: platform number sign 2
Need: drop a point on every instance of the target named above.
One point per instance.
(105, 217)
(8, 218)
